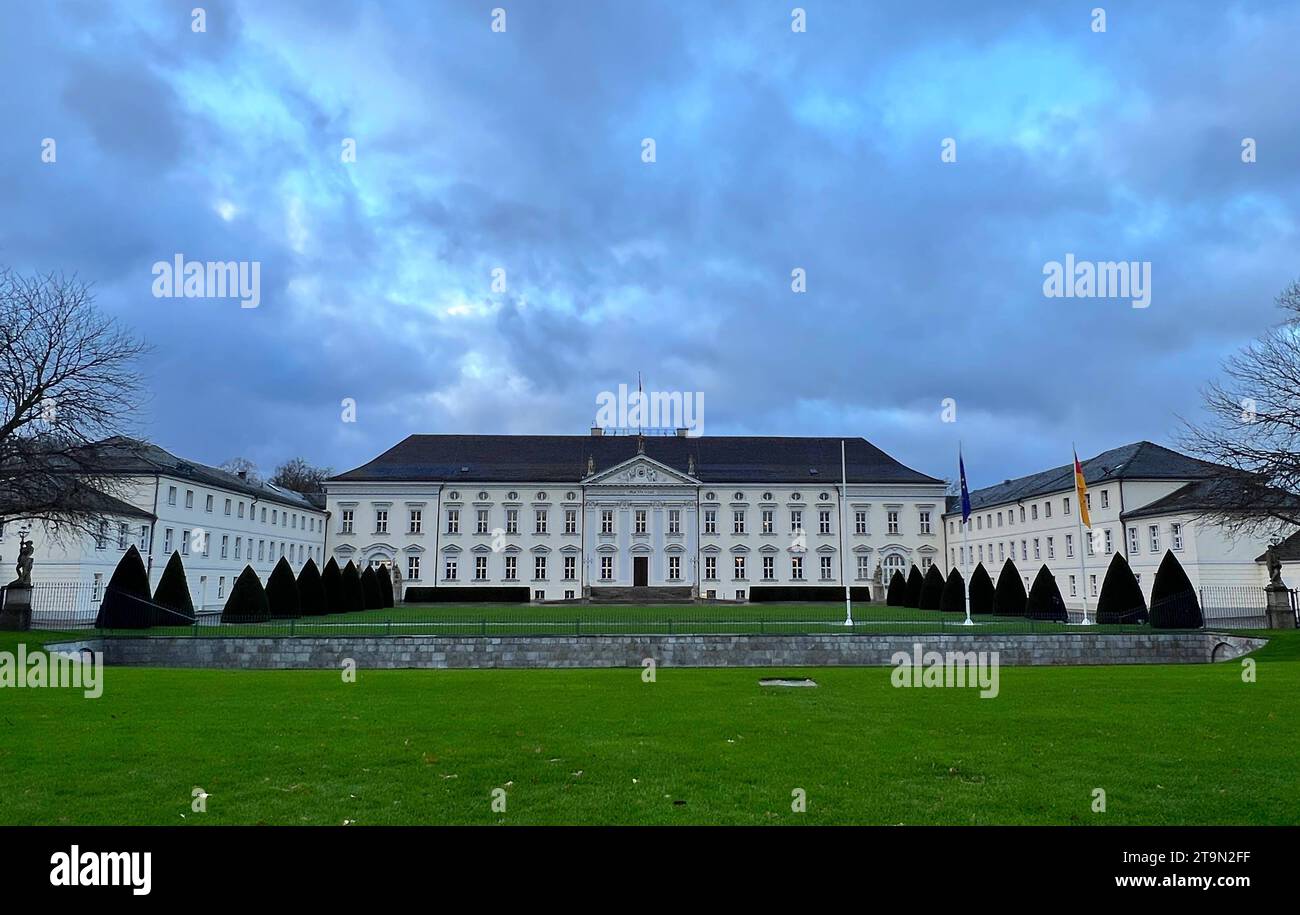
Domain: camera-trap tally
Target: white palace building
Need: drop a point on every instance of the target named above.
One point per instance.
(565, 516)
(737, 518)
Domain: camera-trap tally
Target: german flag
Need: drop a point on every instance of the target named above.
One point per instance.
(1081, 488)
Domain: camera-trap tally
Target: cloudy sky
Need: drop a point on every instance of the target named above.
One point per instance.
(775, 150)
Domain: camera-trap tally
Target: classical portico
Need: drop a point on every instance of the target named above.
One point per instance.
(641, 519)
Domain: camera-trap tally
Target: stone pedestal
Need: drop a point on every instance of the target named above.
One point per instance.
(1280, 614)
(16, 608)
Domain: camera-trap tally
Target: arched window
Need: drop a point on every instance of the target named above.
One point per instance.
(895, 562)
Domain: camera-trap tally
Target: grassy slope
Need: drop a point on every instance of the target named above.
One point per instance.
(1171, 744)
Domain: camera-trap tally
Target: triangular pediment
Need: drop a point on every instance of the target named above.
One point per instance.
(640, 471)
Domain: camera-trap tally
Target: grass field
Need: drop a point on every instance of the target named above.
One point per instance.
(568, 619)
(1169, 744)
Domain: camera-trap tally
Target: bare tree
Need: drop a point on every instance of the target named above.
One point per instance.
(298, 475)
(67, 381)
(242, 466)
(1255, 429)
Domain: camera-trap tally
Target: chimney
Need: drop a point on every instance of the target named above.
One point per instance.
(243, 474)
(682, 431)
(597, 432)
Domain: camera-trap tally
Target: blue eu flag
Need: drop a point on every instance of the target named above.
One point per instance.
(965, 493)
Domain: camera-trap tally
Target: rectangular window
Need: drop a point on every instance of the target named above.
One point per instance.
(827, 571)
(227, 511)
(239, 543)
(539, 521)
(207, 503)
(769, 521)
(185, 543)
(512, 520)
(607, 568)
(171, 495)
(1105, 498)
(769, 568)
(97, 592)
(381, 521)
(864, 567)
(241, 509)
(710, 521)
(512, 568)
(1002, 551)
(101, 535)
(1065, 505)
(607, 522)
(539, 568)
(1047, 509)
(823, 522)
(453, 520)
(1069, 546)
(1037, 554)
(1090, 543)
(1074, 587)
(122, 534)
(1110, 547)
(891, 522)
(924, 519)
(1092, 585)
(738, 567)
(1176, 535)
(1033, 512)
(480, 568)
(415, 521)
(347, 516)
(639, 521)
(674, 568)
(1132, 540)
(859, 522)
(796, 521)
(738, 522)
(189, 498)
(143, 540)
(1022, 514)
(674, 520)
(1024, 550)
(1051, 548)
(571, 521)
(710, 567)
(221, 586)
(413, 568)
(796, 568)
(570, 568)
(1153, 537)
(263, 514)
(225, 546)
(449, 570)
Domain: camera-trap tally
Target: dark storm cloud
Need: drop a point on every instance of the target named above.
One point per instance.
(521, 151)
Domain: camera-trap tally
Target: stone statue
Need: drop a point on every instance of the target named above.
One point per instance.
(879, 575)
(1274, 567)
(397, 583)
(24, 566)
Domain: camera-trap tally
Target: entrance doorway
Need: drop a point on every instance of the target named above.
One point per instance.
(640, 571)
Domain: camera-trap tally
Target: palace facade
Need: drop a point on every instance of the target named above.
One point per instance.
(723, 516)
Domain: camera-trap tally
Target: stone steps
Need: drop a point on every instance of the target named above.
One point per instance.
(659, 594)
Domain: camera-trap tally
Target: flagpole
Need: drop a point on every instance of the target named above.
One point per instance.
(844, 531)
(1078, 517)
(965, 537)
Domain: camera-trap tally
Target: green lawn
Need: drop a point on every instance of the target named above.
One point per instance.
(568, 619)
(1169, 744)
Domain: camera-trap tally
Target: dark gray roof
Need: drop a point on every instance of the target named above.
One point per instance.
(1138, 461)
(130, 456)
(1287, 551)
(563, 459)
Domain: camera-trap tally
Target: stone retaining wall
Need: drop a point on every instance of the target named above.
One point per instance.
(668, 650)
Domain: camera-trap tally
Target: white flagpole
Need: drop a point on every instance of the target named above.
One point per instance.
(844, 532)
(965, 536)
(1078, 517)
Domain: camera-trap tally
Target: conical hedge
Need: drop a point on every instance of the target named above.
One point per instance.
(915, 582)
(311, 592)
(385, 576)
(1121, 599)
(354, 599)
(981, 591)
(174, 606)
(1044, 602)
(897, 594)
(331, 580)
(370, 589)
(282, 592)
(953, 599)
(931, 589)
(247, 601)
(1009, 596)
(1173, 599)
(127, 603)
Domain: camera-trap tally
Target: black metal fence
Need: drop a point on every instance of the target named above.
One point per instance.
(1236, 606)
